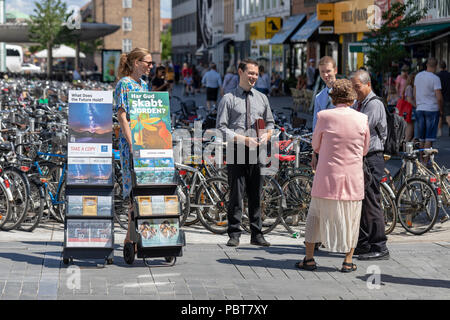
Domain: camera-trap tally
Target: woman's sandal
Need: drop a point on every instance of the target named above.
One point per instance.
(303, 265)
(347, 270)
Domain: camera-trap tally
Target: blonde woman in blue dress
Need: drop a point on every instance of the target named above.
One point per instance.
(131, 69)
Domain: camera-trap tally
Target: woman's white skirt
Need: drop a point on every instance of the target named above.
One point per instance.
(335, 223)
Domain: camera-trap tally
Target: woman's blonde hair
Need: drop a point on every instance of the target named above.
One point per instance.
(342, 92)
(127, 61)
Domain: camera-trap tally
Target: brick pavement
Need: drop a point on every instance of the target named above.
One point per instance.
(209, 270)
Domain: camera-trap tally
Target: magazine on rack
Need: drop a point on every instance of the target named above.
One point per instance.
(159, 232)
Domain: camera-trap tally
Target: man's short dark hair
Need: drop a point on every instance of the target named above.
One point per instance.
(243, 64)
(443, 65)
(161, 68)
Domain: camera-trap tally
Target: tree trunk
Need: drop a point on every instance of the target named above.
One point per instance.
(49, 60)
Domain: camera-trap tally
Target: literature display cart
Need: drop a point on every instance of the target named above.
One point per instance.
(89, 224)
(154, 225)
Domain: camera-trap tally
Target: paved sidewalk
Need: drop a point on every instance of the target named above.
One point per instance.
(33, 269)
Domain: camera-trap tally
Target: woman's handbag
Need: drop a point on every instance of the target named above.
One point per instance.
(403, 107)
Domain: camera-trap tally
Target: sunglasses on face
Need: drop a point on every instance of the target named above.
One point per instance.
(149, 63)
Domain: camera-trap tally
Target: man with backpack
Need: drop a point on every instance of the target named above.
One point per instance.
(372, 239)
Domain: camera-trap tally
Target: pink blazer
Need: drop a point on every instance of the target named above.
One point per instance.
(341, 138)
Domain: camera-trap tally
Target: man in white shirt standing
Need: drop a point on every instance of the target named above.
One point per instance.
(430, 103)
(213, 82)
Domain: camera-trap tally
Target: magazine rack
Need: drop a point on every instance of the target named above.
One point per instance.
(89, 215)
(155, 219)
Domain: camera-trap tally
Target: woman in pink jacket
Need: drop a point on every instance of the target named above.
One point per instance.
(341, 138)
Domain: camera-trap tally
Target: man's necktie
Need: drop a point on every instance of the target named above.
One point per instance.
(247, 110)
(359, 106)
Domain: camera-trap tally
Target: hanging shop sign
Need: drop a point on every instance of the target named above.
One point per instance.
(325, 11)
(351, 16)
(326, 30)
(273, 25)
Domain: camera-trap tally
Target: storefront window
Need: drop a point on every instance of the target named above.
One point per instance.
(277, 59)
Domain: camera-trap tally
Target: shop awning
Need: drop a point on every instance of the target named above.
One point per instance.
(418, 32)
(303, 34)
(358, 47)
(290, 25)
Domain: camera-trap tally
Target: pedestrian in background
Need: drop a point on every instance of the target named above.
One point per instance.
(186, 73)
(159, 82)
(341, 138)
(263, 82)
(213, 83)
(311, 74)
(430, 104)
(411, 112)
(444, 75)
(230, 81)
(400, 81)
(372, 238)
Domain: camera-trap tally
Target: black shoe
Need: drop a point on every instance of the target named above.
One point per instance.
(233, 242)
(383, 255)
(359, 251)
(259, 241)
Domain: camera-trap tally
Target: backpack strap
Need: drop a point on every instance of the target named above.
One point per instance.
(376, 127)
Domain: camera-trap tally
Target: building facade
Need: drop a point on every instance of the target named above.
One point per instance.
(255, 23)
(184, 31)
(139, 21)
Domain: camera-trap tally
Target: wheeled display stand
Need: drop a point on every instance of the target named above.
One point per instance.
(168, 252)
(75, 225)
(155, 220)
(89, 195)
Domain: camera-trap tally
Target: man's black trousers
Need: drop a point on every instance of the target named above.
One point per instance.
(244, 179)
(372, 236)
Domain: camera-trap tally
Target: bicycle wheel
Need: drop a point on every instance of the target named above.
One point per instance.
(35, 208)
(271, 206)
(121, 207)
(297, 191)
(417, 204)
(20, 189)
(389, 210)
(56, 206)
(183, 196)
(213, 197)
(5, 208)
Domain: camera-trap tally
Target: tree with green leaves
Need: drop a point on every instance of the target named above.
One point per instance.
(46, 26)
(166, 40)
(388, 46)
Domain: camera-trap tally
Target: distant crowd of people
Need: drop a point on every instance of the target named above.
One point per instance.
(195, 78)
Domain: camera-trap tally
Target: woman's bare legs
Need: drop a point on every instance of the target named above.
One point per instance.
(309, 253)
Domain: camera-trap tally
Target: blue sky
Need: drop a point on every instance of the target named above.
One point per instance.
(27, 6)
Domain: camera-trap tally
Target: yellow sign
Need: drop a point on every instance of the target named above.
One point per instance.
(351, 16)
(325, 11)
(257, 30)
(273, 25)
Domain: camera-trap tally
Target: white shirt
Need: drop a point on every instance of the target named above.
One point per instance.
(426, 83)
